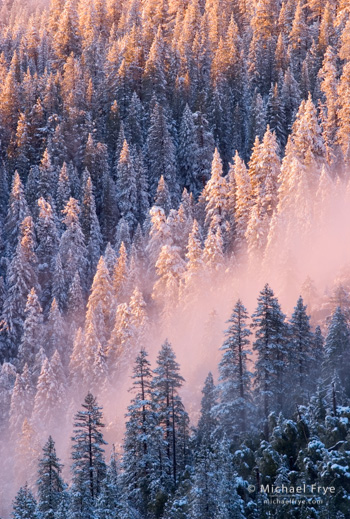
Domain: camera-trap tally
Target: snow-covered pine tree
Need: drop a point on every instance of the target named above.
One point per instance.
(337, 348)
(22, 399)
(215, 194)
(50, 484)
(31, 340)
(17, 211)
(22, 277)
(268, 321)
(47, 236)
(162, 197)
(72, 245)
(90, 226)
(127, 187)
(234, 411)
(24, 505)
(138, 453)
(101, 296)
(160, 152)
(170, 415)
(301, 352)
(188, 152)
(207, 422)
(89, 467)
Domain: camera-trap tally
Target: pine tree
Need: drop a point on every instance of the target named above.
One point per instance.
(194, 265)
(101, 294)
(270, 345)
(302, 339)
(159, 234)
(47, 178)
(207, 422)
(88, 467)
(242, 201)
(90, 226)
(109, 502)
(72, 245)
(76, 301)
(122, 235)
(67, 40)
(170, 413)
(188, 152)
(31, 341)
(162, 198)
(64, 190)
(47, 236)
(22, 277)
(169, 268)
(22, 398)
(213, 256)
(160, 152)
(120, 275)
(50, 483)
(55, 330)
(328, 86)
(58, 284)
(24, 505)
(138, 458)
(235, 379)
(337, 349)
(126, 187)
(215, 194)
(49, 398)
(18, 210)
(344, 112)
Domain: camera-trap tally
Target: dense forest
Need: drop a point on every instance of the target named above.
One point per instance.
(161, 162)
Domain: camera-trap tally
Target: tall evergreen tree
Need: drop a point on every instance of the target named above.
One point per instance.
(235, 407)
(50, 483)
(138, 458)
(88, 467)
(270, 344)
(170, 414)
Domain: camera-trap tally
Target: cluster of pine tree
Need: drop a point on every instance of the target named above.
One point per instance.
(147, 149)
(289, 427)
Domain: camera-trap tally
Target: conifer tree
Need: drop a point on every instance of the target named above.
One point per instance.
(72, 245)
(88, 467)
(270, 345)
(49, 398)
(50, 483)
(337, 349)
(22, 398)
(235, 379)
(162, 198)
(242, 201)
(24, 505)
(120, 275)
(31, 341)
(161, 159)
(207, 422)
(215, 194)
(22, 277)
(47, 236)
(170, 413)
(90, 226)
(18, 210)
(55, 330)
(302, 339)
(64, 190)
(188, 153)
(127, 187)
(138, 458)
(58, 284)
